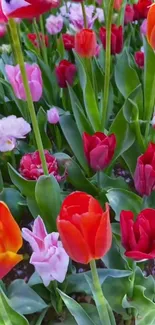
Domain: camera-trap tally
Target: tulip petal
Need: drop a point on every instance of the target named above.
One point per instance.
(138, 256)
(104, 235)
(75, 203)
(150, 22)
(10, 234)
(7, 261)
(39, 228)
(152, 38)
(126, 224)
(73, 242)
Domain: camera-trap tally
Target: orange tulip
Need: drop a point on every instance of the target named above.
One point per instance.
(151, 26)
(10, 241)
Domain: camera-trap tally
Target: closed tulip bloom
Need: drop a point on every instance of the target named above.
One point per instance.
(141, 9)
(10, 241)
(27, 9)
(65, 73)
(151, 26)
(34, 79)
(116, 38)
(85, 43)
(138, 237)
(53, 115)
(49, 257)
(139, 59)
(34, 39)
(68, 41)
(117, 4)
(144, 176)
(143, 27)
(84, 227)
(99, 149)
(54, 24)
(129, 14)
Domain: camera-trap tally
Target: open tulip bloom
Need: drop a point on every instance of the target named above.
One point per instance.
(77, 162)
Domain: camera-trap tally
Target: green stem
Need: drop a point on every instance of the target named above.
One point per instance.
(139, 136)
(106, 317)
(44, 50)
(130, 293)
(107, 64)
(19, 56)
(84, 15)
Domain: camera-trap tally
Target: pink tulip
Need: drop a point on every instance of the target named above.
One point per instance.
(143, 27)
(49, 257)
(34, 80)
(53, 115)
(3, 30)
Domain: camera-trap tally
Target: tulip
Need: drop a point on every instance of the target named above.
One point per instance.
(117, 4)
(53, 115)
(144, 176)
(49, 257)
(76, 17)
(129, 14)
(85, 43)
(31, 167)
(27, 8)
(3, 30)
(143, 27)
(10, 241)
(151, 26)
(139, 59)
(141, 9)
(138, 237)
(34, 79)
(116, 38)
(65, 73)
(84, 227)
(12, 128)
(68, 41)
(54, 24)
(34, 39)
(99, 149)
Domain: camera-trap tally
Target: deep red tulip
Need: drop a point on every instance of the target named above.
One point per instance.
(129, 14)
(85, 43)
(34, 39)
(144, 177)
(141, 9)
(138, 238)
(27, 8)
(84, 227)
(116, 38)
(99, 149)
(10, 241)
(69, 41)
(139, 59)
(31, 168)
(65, 73)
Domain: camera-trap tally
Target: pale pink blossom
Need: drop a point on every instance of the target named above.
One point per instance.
(53, 115)
(76, 16)
(34, 79)
(54, 24)
(143, 27)
(11, 129)
(49, 257)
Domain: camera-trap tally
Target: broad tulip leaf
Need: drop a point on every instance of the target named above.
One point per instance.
(74, 139)
(26, 187)
(147, 282)
(24, 299)
(130, 156)
(48, 197)
(114, 259)
(120, 199)
(14, 200)
(81, 317)
(8, 316)
(42, 123)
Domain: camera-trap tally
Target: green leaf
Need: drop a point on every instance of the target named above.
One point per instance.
(130, 156)
(48, 197)
(107, 182)
(26, 187)
(147, 282)
(114, 259)
(34, 279)
(42, 123)
(80, 118)
(74, 139)
(13, 198)
(120, 199)
(89, 95)
(24, 299)
(8, 316)
(81, 317)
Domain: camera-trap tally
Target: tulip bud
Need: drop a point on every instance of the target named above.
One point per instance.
(139, 59)
(54, 24)
(65, 73)
(85, 43)
(129, 14)
(53, 115)
(116, 38)
(68, 41)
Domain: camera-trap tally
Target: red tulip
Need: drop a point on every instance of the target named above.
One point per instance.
(129, 14)
(117, 4)
(69, 41)
(85, 43)
(151, 26)
(141, 9)
(84, 227)
(27, 8)
(34, 39)
(116, 38)
(139, 59)
(10, 241)
(99, 149)
(144, 177)
(138, 238)
(65, 73)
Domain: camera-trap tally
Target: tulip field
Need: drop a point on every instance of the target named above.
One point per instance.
(77, 162)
